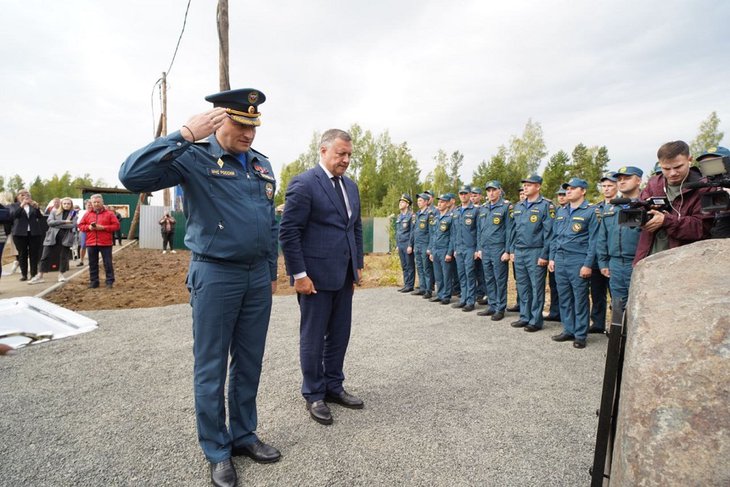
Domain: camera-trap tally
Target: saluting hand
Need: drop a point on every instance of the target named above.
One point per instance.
(304, 286)
(203, 124)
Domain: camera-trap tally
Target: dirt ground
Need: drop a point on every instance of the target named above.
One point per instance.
(147, 278)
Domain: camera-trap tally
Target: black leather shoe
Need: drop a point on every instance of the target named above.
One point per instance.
(93, 285)
(428, 295)
(407, 289)
(579, 344)
(483, 300)
(434, 299)
(514, 309)
(532, 329)
(458, 305)
(552, 318)
(258, 451)
(487, 312)
(23, 278)
(223, 474)
(401, 289)
(593, 329)
(345, 399)
(320, 412)
(467, 308)
(498, 316)
(563, 337)
(109, 285)
(446, 301)
(518, 324)
(418, 292)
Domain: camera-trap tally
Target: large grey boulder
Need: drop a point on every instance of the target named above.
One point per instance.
(674, 410)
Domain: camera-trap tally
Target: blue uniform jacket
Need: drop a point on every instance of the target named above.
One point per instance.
(441, 238)
(464, 228)
(615, 240)
(421, 227)
(493, 226)
(532, 225)
(229, 207)
(575, 231)
(403, 229)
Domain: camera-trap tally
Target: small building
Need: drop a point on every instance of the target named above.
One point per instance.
(116, 199)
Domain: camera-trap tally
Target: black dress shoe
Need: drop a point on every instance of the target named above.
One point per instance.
(223, 474)
(258, 451)
(428, 295)
(458, 305)
(23, 278)
(345, 399)
(446, 301)
(483, 300)
(593, 329)
(320, 412)
(93, 285)
(514, 309)
(532, 329)
(407, 289)
(579, 344)
(498, 316)
(518, 324)
(418, 292)
(401, 289)
(467, 308)
(552, 318)
(487, 312)
(434, 299)
(563, 337)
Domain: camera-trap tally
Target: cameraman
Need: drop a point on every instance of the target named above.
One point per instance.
(721, 227)
(684, 223)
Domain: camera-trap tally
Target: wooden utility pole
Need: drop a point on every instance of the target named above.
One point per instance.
(222, 19)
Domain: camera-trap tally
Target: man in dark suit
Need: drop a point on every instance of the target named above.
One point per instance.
(321, 237)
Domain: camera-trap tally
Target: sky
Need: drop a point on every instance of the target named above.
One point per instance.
(77, 77)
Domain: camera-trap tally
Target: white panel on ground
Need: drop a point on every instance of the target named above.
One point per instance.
(27, 320)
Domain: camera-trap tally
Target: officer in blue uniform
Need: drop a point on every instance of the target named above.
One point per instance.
(433, 214)
(481, 287)
(403, 232)
(554, 310)
(441, 250)
(529, 250)
(493, 227)
(232, 233)
(464, 238)
(616, 244)
(572, 253)
(599, 282)
(419, 243)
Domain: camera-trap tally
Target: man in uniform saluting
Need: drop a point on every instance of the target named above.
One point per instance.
(232, 233)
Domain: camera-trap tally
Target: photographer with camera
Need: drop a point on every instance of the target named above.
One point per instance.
(719, 158)
(683, 221)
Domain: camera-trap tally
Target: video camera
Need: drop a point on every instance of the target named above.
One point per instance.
(636, 215)
(717, 172)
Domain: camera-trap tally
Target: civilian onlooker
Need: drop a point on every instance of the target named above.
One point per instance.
(6, 223)
(167, 227)
(99, 225)
(118, 233)
(59, 240)
(55, 204)
(27, 233)
(82, 234)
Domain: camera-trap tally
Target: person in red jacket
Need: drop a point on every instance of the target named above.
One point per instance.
(684, 223)
(99, 225)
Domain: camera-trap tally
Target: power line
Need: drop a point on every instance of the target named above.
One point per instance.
(185, 20)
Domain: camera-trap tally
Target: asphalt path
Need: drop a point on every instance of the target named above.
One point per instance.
(451, 399)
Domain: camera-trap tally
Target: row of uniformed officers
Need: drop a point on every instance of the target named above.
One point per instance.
(466, 250)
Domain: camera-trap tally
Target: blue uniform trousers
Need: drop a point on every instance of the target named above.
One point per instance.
(530, 285)
(467, 276)
(442, 271)
(554, 310)
(481, 289)
(407, 263)
(424, 268)
(495, 279)
(621, 269)
(324, 333)
(573, 291)
(599, 287)
(231, 307)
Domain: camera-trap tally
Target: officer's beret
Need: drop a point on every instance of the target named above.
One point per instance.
(407, 198)
(609, 176)
(714, 152)
(575, 183)
(533, 178)
(446, 197)
(464, 189)
(629, 171)
(494, 184)
(241, 105)
(476, 190)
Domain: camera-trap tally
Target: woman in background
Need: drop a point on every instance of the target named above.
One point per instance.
(59, 240)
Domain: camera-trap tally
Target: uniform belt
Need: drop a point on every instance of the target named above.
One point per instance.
(206, 258)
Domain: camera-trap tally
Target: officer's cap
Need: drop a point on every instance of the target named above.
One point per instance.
(494, 185)
(424, 196)
(241, 105)
(464, 190)
(532, 178)
(429, 193)
(609, 176)
(561, 191)
(629, 171)
(575, 183)
(407, 198)
(476, 190)
(657, 168)
(714, 152)
(446, 197)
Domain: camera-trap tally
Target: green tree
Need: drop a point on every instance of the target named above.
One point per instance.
(305, 161)
(556, 173)
(438, 180)
(38, 191)
(709, 135)
(15, 184)
(527, 151)
(453, 168)
(2, 183)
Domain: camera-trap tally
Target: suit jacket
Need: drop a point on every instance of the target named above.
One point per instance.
(34, 219)
(316, 235)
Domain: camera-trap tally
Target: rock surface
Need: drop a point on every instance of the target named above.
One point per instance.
(674, 414)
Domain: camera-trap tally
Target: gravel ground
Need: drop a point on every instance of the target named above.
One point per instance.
(451, 399)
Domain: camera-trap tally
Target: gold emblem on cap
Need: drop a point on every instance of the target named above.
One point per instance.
(220, 163)
(253, 97)
(712, 149)
(623, 169)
